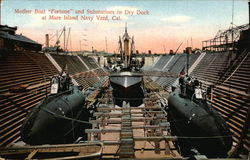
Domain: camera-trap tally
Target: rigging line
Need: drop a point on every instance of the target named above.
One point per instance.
(206, 137)
(179, 137)
(85, 122)
(64, 117)
(68, 118)
(237, 68)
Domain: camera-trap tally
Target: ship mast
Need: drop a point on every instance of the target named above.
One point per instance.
(67, 40)
(132, 45)
(120, 48)
(127, 47)
(106, 44)
(64, 39)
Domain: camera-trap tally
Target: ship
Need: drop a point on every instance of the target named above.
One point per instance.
(200, 128)
(126, 77)
(60, 118)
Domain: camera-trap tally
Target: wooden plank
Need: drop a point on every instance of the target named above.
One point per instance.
(31, 155)
(160, 138)
(110, 121)
(102, 130)
(106, 142)
(119, 115)
(132, 112)
(38, 85)
(89, 144)
(167, 148)
(119, 130)
(129, 108)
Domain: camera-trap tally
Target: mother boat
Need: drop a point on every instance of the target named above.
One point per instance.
(126, 78)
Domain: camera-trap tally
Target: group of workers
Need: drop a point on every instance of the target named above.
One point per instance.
(188, 85)
(63, 81)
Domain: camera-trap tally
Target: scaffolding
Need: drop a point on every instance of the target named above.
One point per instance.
(225, 40)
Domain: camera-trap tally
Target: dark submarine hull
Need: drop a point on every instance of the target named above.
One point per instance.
(127, 87)
(199, 126)
(45, 123)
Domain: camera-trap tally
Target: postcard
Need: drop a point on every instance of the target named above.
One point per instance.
(137, 79)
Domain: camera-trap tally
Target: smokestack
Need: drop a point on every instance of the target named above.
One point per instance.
(149, 52)
(47, 40)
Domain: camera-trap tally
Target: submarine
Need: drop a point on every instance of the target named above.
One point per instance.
(126, 77)
(60, 118)
(199, 127)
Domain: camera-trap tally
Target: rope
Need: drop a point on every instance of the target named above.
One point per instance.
(207, 137)
(178, 137)
(237, 68)
(64, 117)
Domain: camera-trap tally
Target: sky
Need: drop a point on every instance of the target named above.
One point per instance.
(163, 26)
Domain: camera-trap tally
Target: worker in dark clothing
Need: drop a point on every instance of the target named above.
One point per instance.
(65, 82)
(181, 82)
(196, 82)
(68, 81)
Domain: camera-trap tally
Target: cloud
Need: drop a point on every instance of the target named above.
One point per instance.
(178, 19)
